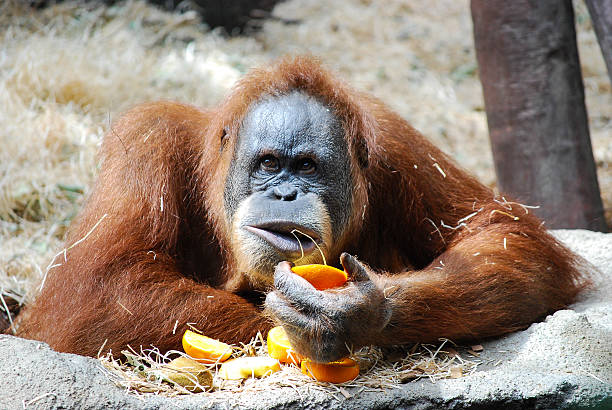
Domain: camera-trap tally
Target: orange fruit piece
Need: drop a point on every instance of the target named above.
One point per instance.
(339, 371)
(321, 276)
(204, 349)
(248, 366)
(279, 347)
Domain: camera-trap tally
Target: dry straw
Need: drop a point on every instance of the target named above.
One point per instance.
(139, 372)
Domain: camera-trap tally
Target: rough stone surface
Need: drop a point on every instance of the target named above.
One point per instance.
(563, 362)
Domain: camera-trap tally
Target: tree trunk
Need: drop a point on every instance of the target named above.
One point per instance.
(601, 15)
(534, 100)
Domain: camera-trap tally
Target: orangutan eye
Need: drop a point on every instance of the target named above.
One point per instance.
(269, 164)
(306, 166)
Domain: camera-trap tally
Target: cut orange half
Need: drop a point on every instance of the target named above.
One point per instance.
(321, 276)
(279, 347)
(339, 371)
(204, 349)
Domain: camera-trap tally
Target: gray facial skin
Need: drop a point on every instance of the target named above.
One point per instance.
(290, 170)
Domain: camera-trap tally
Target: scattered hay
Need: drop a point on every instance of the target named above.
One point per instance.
(389, 368)
(10, 304)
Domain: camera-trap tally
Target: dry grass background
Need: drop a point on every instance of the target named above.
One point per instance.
(67, 71)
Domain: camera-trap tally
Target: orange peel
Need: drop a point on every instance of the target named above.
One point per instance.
(280, 348)
(339, 371)
(205, 349)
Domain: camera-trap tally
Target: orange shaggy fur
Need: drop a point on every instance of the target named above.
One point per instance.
(469, 265)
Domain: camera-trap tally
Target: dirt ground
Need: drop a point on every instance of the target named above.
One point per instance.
(67, 71)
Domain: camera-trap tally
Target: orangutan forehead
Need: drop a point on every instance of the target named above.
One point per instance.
(294, 121)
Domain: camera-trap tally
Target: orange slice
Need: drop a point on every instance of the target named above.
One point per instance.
(248, 366)
(321, 276)
(204, 349)
(339, 371)
(279, 347)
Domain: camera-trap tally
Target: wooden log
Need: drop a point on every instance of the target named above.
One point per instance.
(601, 16)
(534, 99)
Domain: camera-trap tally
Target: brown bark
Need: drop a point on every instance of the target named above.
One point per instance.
(601, 15)
(534, 99)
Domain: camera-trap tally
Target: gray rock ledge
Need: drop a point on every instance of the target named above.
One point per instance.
(563, 362)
